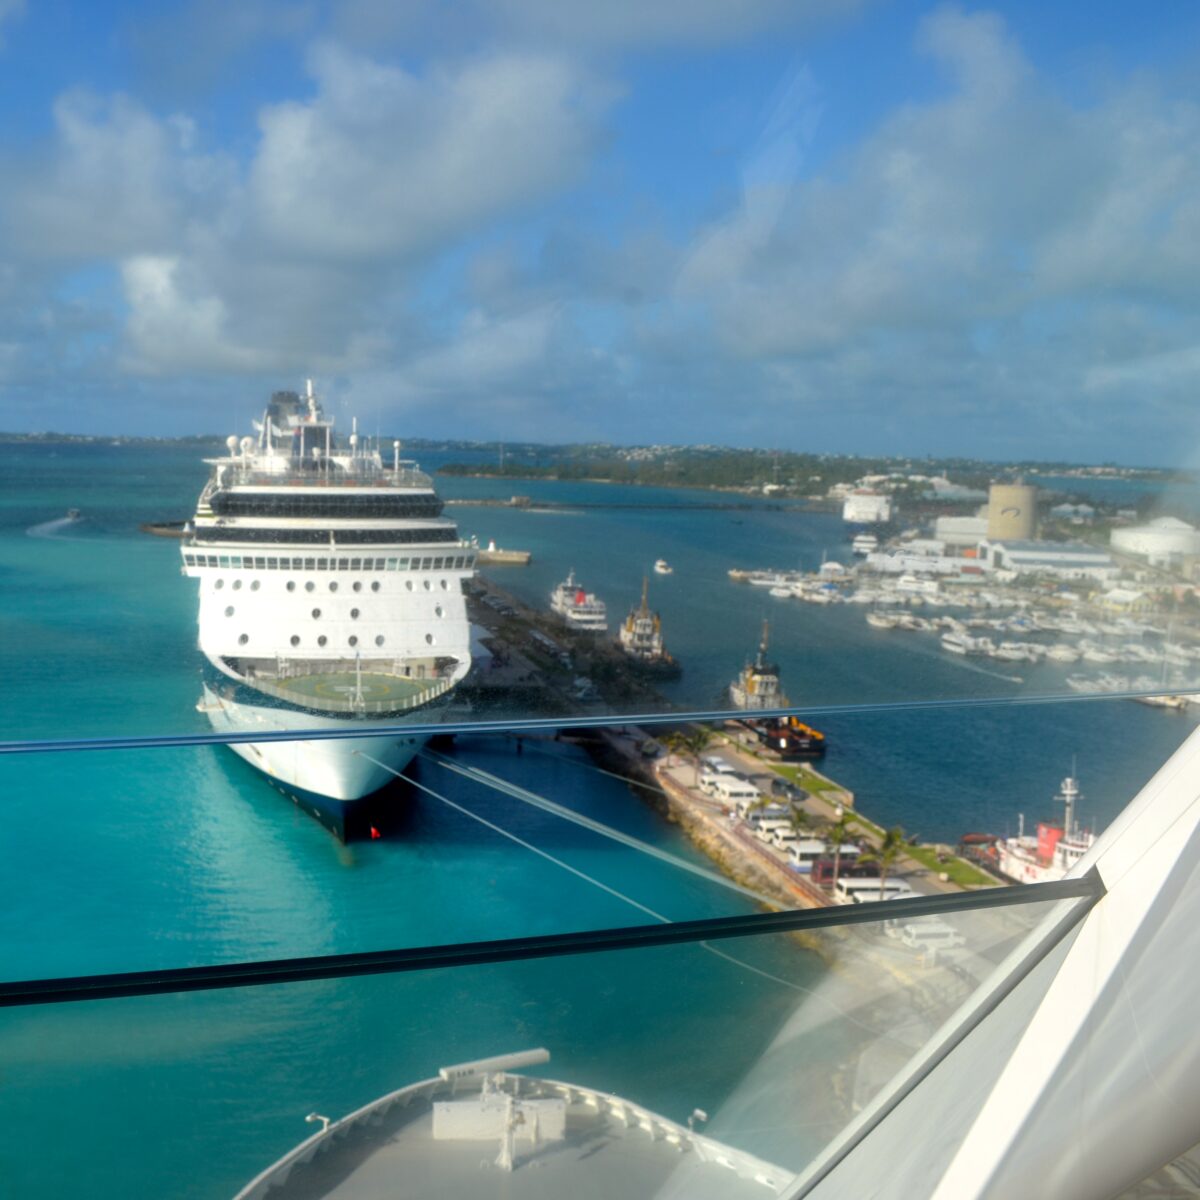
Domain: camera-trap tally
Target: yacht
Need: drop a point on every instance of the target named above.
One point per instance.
(640, 637)
(758, 684)
(1055, 849)
(581, 610)
(864, 544)
(331, 595)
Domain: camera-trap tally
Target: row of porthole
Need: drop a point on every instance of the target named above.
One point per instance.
(244, 639)
(333, 587)
(438, 611)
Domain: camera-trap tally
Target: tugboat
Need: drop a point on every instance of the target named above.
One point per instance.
(758, 684)
(640, 637)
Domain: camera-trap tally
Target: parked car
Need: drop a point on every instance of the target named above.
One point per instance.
(786, 789)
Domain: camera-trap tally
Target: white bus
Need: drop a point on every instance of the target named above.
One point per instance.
(805, 851)
(866, 891)
(731, 790)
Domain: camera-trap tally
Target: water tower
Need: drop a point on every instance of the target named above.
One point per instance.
(1011, 512)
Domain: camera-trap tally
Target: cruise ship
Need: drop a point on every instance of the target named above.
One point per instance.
(331, 594)
(582, 611)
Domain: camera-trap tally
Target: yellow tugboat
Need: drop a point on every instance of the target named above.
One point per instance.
(758, 684)
(640, 637)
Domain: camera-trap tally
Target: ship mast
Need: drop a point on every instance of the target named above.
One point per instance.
(1068, 795)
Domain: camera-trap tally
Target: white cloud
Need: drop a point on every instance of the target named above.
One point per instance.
(116, 180)
(304, 254)
(973, 258)
(384, 163)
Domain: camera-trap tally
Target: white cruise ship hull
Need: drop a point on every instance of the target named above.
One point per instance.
(325, 777)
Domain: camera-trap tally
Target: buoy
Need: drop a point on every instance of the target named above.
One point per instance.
(375, 833)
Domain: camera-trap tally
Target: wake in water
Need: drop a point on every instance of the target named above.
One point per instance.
(966, 666)
(53, 529)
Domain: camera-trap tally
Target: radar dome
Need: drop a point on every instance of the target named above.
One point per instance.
(247, 445)
(232, 442)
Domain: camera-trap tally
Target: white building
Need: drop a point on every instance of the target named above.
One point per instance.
(1164, 540)
(1066, 560)
(867, 508)
(960, 531)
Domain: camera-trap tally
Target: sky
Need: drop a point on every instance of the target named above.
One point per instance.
(819, 225)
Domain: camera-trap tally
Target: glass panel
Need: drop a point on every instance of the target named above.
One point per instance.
(775, 1040)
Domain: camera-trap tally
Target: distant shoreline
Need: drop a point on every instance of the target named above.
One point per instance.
(950, 463)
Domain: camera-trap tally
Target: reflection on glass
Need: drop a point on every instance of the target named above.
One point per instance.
(745, 1054)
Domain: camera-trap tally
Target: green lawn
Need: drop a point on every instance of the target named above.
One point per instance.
(814, 785)
(960, 871)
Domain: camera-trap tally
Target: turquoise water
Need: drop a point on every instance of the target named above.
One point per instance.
(115, 861)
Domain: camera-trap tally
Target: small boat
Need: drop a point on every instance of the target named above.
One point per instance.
(662, 567)
(781, 592)
(73, 514)
(879, 620)
(1062, 653)
(1175, 703)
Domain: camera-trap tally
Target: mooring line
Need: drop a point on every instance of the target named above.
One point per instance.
(487, 779)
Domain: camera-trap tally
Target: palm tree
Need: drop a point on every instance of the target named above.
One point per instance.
(886, 854)
(837, 837)
(696, 740)
(691, 741)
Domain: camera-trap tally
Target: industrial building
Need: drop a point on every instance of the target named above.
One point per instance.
(1067, 560)
(1162, 542)
(960, 531)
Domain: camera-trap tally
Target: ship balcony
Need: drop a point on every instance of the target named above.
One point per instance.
(367, 686)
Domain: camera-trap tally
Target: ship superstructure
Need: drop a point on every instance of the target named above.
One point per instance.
(640, 637)
(331, 592)
(758, 684)
(583, 611)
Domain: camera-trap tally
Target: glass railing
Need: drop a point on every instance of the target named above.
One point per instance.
(719, 1054)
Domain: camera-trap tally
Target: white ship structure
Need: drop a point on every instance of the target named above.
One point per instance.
(640, 638)
(331, 596)
(582, 610)
(758, 684)
(1053, 851)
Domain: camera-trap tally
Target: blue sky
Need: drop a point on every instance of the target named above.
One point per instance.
(837, 225)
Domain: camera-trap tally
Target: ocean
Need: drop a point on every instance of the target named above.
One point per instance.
(168, 857)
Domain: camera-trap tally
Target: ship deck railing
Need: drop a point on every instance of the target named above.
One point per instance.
(367, 476)
(346, 690)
